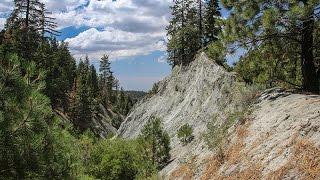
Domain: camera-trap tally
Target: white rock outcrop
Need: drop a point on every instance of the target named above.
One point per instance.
(280, 139)
(193, 95)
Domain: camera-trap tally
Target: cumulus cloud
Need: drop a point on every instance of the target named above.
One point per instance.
(129, 15)
(64, 5)
(115, 42)
(120, 28)
(130, 28)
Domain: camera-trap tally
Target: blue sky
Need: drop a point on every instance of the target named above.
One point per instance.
(132, 32)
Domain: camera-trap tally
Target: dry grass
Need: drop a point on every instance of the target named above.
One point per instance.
(305, 162)
(232, 155)
(236, 155)
(307, 158)
(212, 170)
(280, 173)
(242, 131)
(257, 142)
(250, 173)
(184, 172)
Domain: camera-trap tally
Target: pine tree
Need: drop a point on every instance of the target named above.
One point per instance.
(253, 23)
(93, 82)
(122, 102)
(104, 78)
(60, 74)
(200, 26)
(84, 107)
(183, 33)
(112, 95)
(32, 15)
(156, 142)
(26, 28)
(211, 17)
(32, 144)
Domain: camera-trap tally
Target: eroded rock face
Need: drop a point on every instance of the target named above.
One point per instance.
(193, 95)
(279, 139)
(102, 123)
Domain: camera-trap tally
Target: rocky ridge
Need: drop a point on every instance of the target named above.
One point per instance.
(193, 95)
(281, 126)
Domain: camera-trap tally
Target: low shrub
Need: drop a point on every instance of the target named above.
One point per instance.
(185, 134)
(119, 159)
(217, 134)
(155, 142)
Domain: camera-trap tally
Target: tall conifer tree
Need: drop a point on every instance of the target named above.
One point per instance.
(211, 16)
(183, 33)
(255, 23)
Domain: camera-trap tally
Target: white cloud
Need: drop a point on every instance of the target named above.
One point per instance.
(115, 42)
(162, 59)
(126, 27)
(63, 5)
(129, 15)
(130, 28)
(6, 5)
(2, 23)
(52, 5)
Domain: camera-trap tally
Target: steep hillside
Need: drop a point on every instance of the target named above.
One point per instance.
(264, 141)
(279, 140)
(194, 95)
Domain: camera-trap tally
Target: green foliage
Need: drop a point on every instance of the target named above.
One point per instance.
(93, 82)
(217, 52)
(154, 90)
(34, 143)
(155, 142)
(25, 36)
(191, 27)
(135, 96)
(216, 134)
(119, 159)
(106, 81)
(184, 40)
(124, 103)
(83, 107)
(276, 35)
(63, 154)
(31, 143)
(183, 46)
(60, 68)
(212, 17)
(274, 67)
(185, 134)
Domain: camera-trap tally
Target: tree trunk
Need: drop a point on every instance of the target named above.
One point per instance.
(27, 13)
(309, 71)
(200, 24)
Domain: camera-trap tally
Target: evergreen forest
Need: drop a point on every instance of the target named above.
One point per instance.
(51, 103)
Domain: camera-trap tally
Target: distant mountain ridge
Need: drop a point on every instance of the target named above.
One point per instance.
(135, 96)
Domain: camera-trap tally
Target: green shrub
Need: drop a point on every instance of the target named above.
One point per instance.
(154, 90)
(185, 134)
(119, 159)
(217, 52)
(156, 142)
(217, 134)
